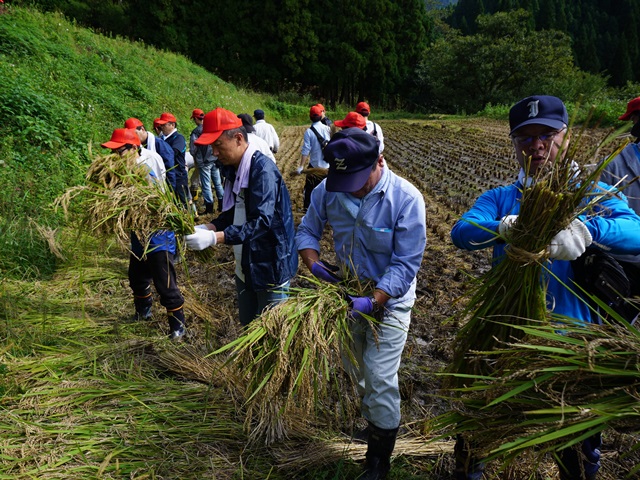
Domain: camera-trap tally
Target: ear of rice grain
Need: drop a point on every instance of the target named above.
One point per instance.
(119, 198)
(289, 358)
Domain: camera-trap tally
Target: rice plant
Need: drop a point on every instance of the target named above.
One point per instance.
(284, 363)
(119, 198)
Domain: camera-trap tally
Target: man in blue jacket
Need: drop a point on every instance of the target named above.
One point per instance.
(256, 216)
(169, 126)
(539, 135)
(379, 233)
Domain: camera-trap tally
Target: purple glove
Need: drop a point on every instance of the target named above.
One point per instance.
(358, 305)
(326, 272)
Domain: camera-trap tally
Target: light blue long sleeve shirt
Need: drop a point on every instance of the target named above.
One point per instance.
(381, 237)
(311, 146)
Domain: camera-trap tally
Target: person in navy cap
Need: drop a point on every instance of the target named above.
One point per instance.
(379, 234)
(540, 136)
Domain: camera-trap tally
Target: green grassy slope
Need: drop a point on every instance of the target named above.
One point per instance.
(64, 89)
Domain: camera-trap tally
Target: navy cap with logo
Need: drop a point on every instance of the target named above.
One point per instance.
(351, 154)
(538, 110)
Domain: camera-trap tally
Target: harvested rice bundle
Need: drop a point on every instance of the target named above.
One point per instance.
(316, 172)
(554, 389)
(511, 293)
(284, 361)
(119, 198)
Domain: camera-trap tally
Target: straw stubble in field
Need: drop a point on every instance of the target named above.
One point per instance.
(87, 395)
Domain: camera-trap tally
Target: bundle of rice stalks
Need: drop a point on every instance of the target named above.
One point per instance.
(316, 172)
(554, 390)
(511, 293)
(119, 198)
(284, 364)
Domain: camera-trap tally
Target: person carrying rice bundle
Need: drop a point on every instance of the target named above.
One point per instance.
(540, 136)
(153, 263)
(379, 233)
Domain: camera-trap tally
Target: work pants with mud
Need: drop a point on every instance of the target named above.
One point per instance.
(376, 373)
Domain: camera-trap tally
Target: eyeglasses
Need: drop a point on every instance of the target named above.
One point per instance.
(123, 149)
(528, 139)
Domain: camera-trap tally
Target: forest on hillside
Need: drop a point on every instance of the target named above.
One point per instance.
(413, 55)
(604, 35)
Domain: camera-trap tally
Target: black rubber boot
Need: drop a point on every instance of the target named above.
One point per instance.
(468, 467)
(142, 303)
(177, 329)
(379, 448)
(208, 208)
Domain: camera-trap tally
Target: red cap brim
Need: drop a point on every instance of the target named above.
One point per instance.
(208, 138)
(113, 145)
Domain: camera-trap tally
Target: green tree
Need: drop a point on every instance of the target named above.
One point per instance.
(503, 62)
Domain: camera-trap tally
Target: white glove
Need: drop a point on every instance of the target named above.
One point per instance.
(202, 227)
(570, 243)
(506, 223)
(201, 239)
(299, 170)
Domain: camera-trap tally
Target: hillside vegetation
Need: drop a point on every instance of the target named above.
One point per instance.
(64, 90)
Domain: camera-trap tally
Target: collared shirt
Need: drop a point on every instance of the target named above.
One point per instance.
(375, 130)
(382, 236)
(266, 131)
(311, 146)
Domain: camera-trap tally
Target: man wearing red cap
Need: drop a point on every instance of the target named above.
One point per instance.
(206, 164)
(352, 120)
(373, 128)
(325, 120)
(155, 262)
(168, 124)
(315, 137)
(379, 232)
(156, 145)
(256, 216)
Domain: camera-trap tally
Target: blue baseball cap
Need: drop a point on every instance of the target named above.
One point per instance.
(258, 114)
(538, 110)
(351, 154)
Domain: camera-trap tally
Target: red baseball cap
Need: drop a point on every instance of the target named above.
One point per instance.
(363, 107)
(215, 122)
(133, 123)
(121, 137)
(166, 117)
(353, 119)
(315, 111)
(197, 113)
(321, 106)
(632, 106)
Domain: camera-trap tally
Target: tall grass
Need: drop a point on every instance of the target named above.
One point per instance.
(65, 88)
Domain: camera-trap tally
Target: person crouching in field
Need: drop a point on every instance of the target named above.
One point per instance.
(539, 135)
(155, 265)
(256, 216)
(379, 232)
